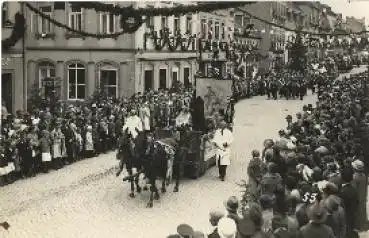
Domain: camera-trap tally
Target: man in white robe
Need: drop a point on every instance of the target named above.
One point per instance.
(184, 118)
(223, 138)
(133, 124)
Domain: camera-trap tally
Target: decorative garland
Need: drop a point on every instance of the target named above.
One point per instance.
(173, 42)
(18, 32)
(163, 11)
(127, 28)
(299, 30)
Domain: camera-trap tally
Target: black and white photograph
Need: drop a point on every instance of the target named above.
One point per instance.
(184, 119)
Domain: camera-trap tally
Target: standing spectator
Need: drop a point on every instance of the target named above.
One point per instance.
(214, 218)
(350, 201)
(58, 145)
(254, 172)
(360, 183)
(45, 146)
(232, 205)
(316, 227)
(227, 228)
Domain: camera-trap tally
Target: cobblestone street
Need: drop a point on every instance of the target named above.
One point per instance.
(87, 194)
(87, 200)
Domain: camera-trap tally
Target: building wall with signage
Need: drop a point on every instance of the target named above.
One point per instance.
(159, 68)
(78, 65)
(13, 93)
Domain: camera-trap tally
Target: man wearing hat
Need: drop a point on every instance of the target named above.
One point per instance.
(214, 218)
(360, 183)
(185, 231)
(227, 228)
(316, 228)
(223, 138)
(232, 205)
(350, 200)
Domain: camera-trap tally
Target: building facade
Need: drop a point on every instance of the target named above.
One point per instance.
(261, 10)
(354, 24)
(71, 66)
(212, 29)
(167, 50)
(13, 91)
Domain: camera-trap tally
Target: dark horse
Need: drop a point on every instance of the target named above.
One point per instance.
(128, 157)
(154, 160)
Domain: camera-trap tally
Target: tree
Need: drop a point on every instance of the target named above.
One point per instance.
(298, 54)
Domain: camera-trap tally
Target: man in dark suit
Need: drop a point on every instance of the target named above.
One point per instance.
(350, 200)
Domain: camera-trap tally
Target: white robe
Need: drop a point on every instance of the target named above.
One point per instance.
(133, 123)
(183, 119)
(224, 153)
(145, 117)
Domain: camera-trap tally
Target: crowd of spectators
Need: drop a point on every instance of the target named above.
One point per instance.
(312, 181)
(49, 138)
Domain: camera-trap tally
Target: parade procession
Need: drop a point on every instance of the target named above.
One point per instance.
(185, 119)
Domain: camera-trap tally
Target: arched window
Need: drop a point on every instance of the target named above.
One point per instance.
(76, 81)
(46, 76)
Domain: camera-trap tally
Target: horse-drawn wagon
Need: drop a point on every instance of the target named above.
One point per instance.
(198, 156)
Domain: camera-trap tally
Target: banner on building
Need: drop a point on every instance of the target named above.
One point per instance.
(214, 92)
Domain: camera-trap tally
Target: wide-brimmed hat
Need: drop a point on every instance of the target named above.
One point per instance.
(358, 165)
(246, 227)
(216, 215)
(232, 204)
(185, 230)
(227, 228)
(317, 213)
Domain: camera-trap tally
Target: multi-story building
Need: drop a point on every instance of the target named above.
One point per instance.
(159, 67)
(213, 29)
(72, 66)
(13, 91)
(355, 25)
(262, 31)
(250, 38)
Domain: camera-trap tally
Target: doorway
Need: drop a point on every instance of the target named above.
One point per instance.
(7, 90)
(186, 77)
(162, 79)
(174, 77)
(149, 82)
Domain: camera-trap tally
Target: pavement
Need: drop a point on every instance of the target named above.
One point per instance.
(85, 199)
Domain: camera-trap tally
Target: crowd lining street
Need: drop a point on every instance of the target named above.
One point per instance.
(87, 200)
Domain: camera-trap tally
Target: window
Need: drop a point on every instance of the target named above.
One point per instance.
(162, 79)
(46, 75)
(176, 26)
(107, 22)
(223, 30)
(164, 22)
(246, 21)
(217, 30)
(76, 81)
(238, 20)
(108, 81)
(44, 26)
(186, 77)
(149, 22)
(5, 12)
(75, 18)
(204, 30)
(189, 23)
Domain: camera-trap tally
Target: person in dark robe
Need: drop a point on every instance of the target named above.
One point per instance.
(198, 114)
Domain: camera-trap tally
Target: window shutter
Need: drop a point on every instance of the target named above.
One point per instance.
(34, 23)
(83, 19)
